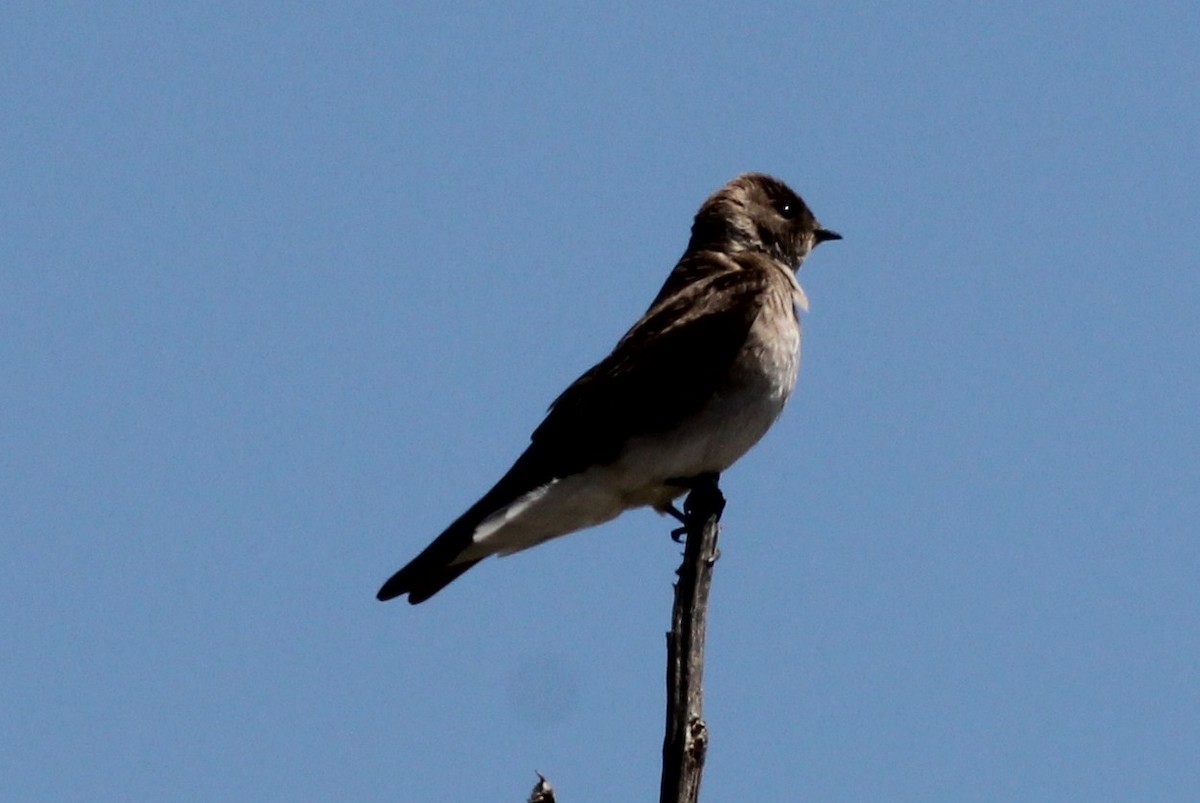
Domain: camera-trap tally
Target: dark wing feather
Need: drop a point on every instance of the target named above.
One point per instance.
(664, 370)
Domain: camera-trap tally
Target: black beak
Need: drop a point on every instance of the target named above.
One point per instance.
(822, 235)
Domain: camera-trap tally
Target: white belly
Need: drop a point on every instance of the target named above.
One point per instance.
(735, 420)
(709, 441)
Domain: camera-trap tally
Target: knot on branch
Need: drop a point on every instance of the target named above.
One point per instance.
(697, 741)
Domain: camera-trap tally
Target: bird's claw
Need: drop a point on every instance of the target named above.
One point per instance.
(704, 499)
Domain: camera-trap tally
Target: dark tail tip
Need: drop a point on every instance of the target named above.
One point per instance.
(424, 585)
(387, 592)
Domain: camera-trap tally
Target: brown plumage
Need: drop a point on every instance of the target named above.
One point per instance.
(692, 386)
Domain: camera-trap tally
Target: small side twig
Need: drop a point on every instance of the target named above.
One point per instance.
(543, 792)
(685, 742)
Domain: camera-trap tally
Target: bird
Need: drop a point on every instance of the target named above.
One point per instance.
(695, 383)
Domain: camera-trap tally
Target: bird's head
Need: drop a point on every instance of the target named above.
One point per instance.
(755, 212)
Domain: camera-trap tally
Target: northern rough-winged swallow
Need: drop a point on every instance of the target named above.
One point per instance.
(686, 392)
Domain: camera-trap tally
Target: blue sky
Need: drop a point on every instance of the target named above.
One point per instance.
(285, 287)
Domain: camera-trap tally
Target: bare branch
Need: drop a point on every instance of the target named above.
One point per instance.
(685, 742)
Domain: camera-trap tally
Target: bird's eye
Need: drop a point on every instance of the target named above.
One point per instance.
(787, 209)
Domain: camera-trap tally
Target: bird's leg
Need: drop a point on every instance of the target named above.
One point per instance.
(678, 532)
(675, 512)
(704, 499)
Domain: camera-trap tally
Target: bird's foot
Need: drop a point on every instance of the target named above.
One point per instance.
(678, 533)
(704, 499)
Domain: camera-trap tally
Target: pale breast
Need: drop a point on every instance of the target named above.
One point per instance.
(736, 418)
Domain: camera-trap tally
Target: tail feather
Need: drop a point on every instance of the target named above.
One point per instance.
(422, 582)
(438, 565)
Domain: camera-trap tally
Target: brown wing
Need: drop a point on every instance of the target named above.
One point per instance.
(664, 369)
